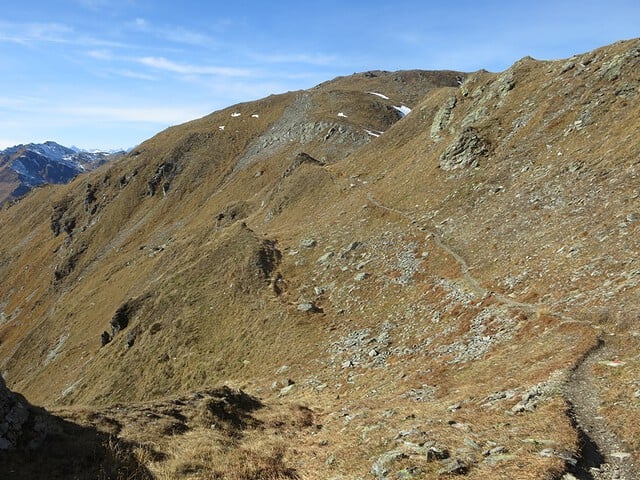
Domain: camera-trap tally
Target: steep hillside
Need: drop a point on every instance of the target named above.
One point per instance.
(407, 274)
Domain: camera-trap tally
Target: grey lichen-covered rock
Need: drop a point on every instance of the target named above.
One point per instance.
(453, 466)
(443, 117)
(308, 307)
(381, 467)
(409, 473)
(465, 151)
(308, 243)
(613, 68)
(325, 257)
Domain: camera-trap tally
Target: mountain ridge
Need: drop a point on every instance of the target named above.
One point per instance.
(23, 167)
(419, 296)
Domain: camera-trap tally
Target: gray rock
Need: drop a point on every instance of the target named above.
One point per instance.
(409, 473)
(453, 466)
(381, 467)
(20, 424)
(308, 243)
(325, 258)
(472, 443)
(529, 402)
(496, 451)
(308, 307)
(286, 390)
(442, 117)
(569, 476)
(434, 453)
(502, 457)
(547, 452)
(465, 151)
(352, 246)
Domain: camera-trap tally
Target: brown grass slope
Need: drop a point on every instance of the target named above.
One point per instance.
(422, 294)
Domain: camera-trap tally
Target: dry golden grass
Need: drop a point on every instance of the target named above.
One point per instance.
(219, 263)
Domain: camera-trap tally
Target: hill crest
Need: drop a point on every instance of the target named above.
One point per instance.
(418, 283)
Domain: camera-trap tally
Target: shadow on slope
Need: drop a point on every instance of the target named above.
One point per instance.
(37, 444)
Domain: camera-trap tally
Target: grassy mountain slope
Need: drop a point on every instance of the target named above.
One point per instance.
(412, 301)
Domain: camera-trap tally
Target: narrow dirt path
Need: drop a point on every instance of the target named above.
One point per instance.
(471, 281)
(602, 455)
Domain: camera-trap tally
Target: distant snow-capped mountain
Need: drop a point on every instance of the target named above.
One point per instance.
(23, 167)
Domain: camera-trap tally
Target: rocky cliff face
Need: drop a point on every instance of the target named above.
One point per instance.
(419, 259)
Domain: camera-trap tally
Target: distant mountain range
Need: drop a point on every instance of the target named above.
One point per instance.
(24, 167)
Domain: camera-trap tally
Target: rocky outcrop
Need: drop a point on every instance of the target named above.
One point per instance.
(21, 426)
(465, 151)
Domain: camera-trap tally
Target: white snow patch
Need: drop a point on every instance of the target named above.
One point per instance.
(221, 128)
(255, 115)
(403, 109)
(236, 114)
(341, 114)
(379, 95)
(373, 133)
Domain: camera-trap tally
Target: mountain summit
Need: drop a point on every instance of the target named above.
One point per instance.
(390, 275)
(23, 167)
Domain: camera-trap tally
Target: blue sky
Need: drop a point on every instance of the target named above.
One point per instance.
(112, 73)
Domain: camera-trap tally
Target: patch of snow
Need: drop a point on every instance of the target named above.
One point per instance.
(97, 150)
(372, 133)
(255, 115)
(236, 114)
(52, 151)
(221, 128)
(379, 95)
(341, 114)
(403, 109)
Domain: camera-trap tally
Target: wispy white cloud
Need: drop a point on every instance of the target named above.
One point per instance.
(69, 110)
(143, 114)
(171, 33)
(25, 33)
(317, 59)
(19, 102)
(51, 33)
(161, 63)
(180, 35)
(101, 54)
(141, 24)
(135, 75)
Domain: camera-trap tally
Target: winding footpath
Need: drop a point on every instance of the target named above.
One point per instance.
(602, 454)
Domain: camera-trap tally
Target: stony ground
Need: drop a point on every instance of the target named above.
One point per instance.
(403, 297)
